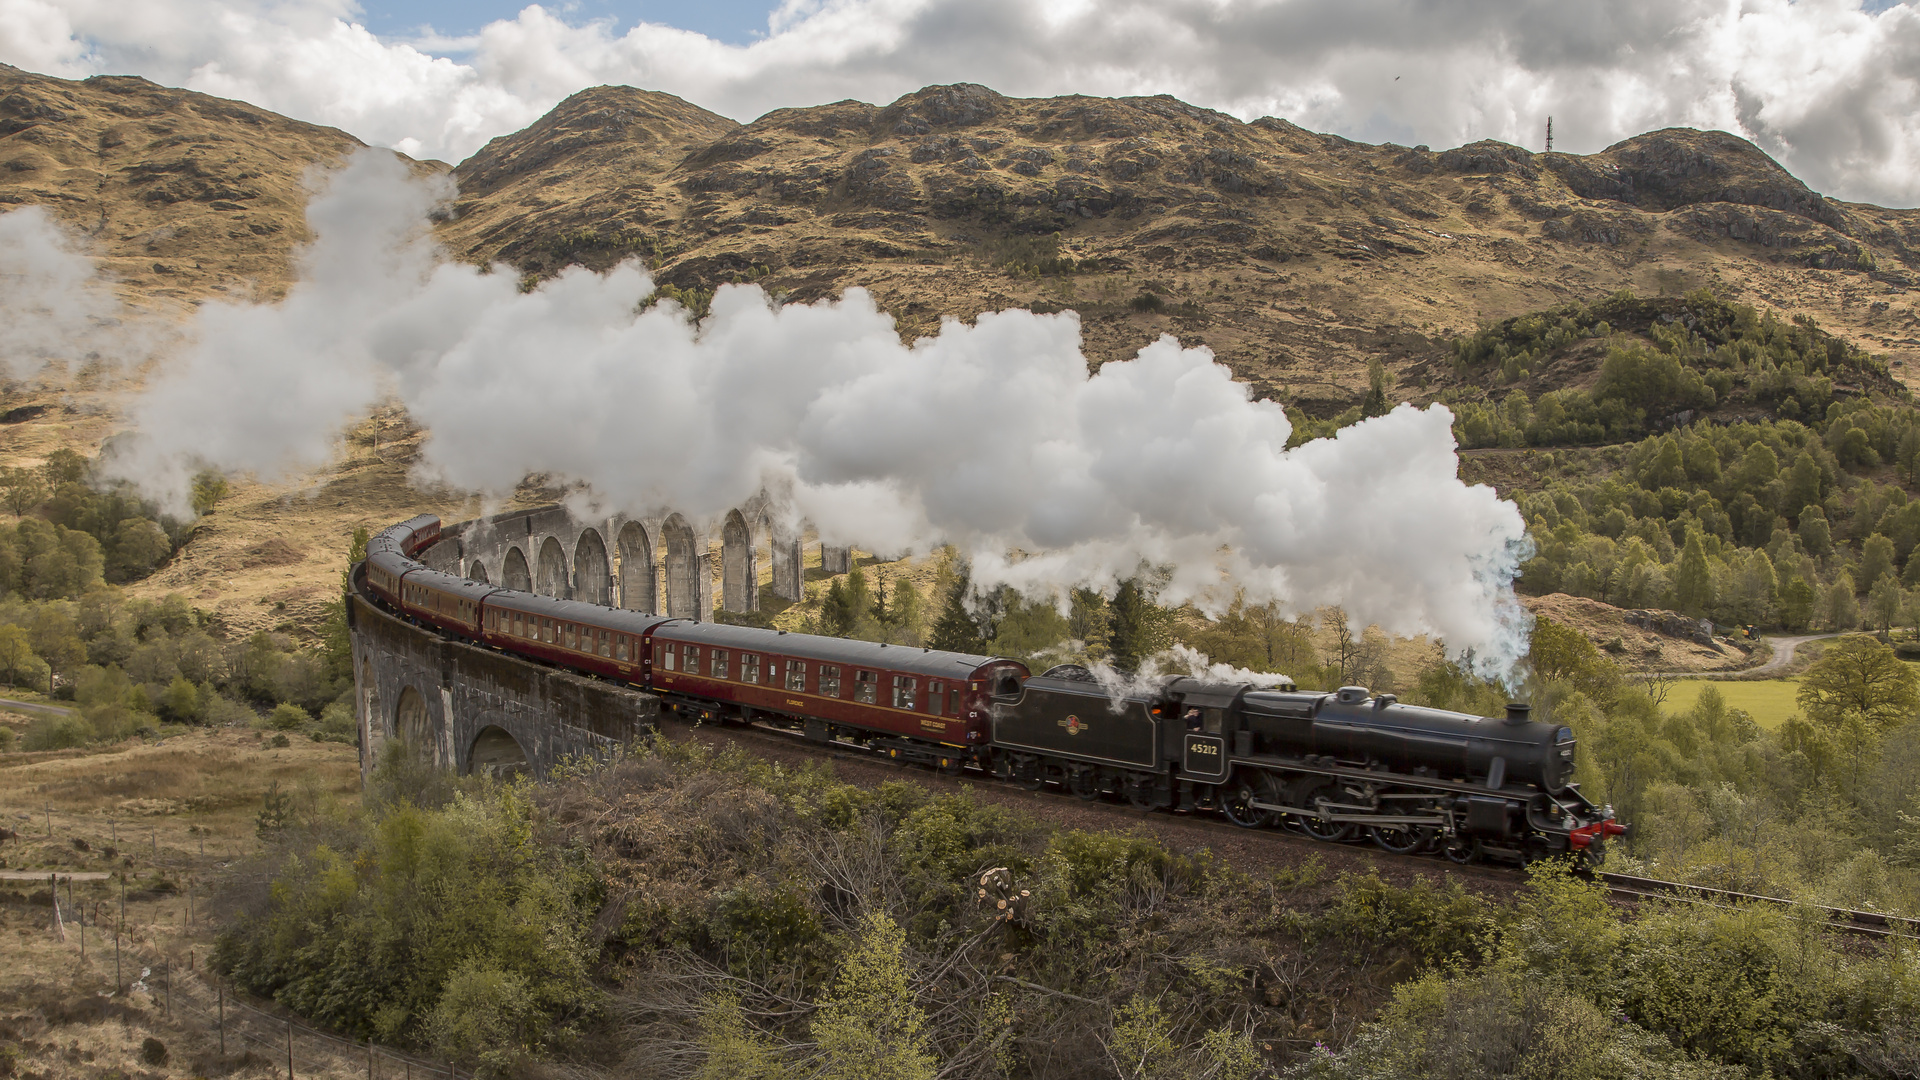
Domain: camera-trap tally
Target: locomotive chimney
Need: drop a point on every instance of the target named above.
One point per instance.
(1518, 712)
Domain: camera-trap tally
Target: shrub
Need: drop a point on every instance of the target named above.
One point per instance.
(287, 716)
(59, 733)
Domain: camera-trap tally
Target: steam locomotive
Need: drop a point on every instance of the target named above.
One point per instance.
(1338, 767)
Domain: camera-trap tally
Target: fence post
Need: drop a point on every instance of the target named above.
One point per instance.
(220, 990)
(370, 1060)
(289, 1050)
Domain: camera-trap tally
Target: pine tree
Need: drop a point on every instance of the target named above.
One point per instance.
(1375, 403)
(955, 630)
(1138, 627)
(836, 611)
(1693, 581)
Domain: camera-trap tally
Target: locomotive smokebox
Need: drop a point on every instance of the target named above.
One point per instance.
(1519, 712)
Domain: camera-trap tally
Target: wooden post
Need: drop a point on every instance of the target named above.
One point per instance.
(49, 821)
(220, 991)
(370, 1060)
(289, 1050)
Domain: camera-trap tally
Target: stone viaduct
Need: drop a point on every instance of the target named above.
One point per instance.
(661, 564)
(472, 709)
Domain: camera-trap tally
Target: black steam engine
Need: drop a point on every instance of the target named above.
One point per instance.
(1340, 766)
(1336, 766)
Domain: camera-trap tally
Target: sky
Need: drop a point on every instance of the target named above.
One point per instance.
(1831, 88)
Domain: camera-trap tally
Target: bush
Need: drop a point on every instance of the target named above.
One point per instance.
(6, 739)
(59, 733)
(287, 716)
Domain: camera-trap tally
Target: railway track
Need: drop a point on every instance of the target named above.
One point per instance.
(1624, 887)
(1861, 923)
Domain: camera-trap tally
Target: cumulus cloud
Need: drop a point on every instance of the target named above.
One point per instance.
(1826, 86)
(992, 436)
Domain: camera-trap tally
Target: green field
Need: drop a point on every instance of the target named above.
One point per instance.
(1768, 701)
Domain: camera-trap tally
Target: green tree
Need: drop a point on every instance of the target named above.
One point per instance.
(16, 654)
(734, 1050)
(1564, 654)
(1876, 560)
(1803, 486)
(1140, 627)
(956, 629)
(1693, 581)
(837, 616)
(209, 487)
(1864, 676)
(1815, 534)
(869, 1027)
(182, 700)
(64, 467)
(21, 490)
(1798, 601)
(1375, 403)
(1884, 602)
(1841, 603)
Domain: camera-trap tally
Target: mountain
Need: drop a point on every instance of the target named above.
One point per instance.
(1296, 256)
(184, 195)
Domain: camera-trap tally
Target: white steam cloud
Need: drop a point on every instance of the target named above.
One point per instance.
(1178, 660)
(54, 306)
(993, 437)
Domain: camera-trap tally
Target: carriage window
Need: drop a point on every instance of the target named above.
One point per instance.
(866, 686)
(933, 697)
(606, 646)
(690, 659)
(666, 656)
(620, 647)
(572, 643)
(903, 692)
(953, 702)
(829, 680)
(749, 667)
(719, 665)
(796, 676)
(546, 630)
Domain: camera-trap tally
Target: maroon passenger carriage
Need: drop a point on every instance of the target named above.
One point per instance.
(913, 704)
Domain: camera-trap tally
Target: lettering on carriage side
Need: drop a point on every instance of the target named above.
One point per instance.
(933, 725)
(796, 704)
(1073, 724)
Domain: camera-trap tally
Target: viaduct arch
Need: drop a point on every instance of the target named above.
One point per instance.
(473, 710)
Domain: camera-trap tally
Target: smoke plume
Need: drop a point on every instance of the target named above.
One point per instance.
(992, 436)
(54, 305)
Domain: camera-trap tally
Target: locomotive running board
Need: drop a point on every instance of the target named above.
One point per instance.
(1451, 787)
(1362, 819)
